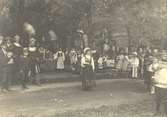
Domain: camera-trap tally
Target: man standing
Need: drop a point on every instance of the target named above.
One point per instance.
(160, 79)
(3, 63)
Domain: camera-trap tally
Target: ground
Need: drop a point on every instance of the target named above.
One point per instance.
(111, 98)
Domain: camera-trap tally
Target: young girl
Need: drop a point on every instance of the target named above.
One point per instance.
(73, 59)
(87, 64)
(60, 58)
(134, 65)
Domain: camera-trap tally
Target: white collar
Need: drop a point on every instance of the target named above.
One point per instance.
(60, 51)
(32, 49)
(87, 56)
(17, 44)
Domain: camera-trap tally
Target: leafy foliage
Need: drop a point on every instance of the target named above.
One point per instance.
(145, 19)
(136, 21)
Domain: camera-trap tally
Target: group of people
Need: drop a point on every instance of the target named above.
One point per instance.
(18, 63)
(23, 63)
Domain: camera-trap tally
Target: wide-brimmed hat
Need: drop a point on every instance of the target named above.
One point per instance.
(80, 31)
(134, 53)
(86, 50)
(25, 49)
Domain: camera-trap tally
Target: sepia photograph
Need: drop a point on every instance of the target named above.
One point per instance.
(83, 58)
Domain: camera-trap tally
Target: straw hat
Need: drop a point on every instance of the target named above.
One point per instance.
(86, 50)
(134, 53)
(80, 31)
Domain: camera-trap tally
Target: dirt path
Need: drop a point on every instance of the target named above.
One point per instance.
(58, 98)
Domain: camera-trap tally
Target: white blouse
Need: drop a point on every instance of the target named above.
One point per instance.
(83, 61)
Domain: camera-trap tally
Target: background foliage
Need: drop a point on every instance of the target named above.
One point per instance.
(128, 21)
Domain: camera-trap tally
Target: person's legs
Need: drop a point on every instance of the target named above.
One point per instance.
(9, 79)
(165, 108)
(158, 99)
(24, 79)
(165, 101)
(6, 81)
(147, 80)
(133, 73)
(3, 81)
(136, 72)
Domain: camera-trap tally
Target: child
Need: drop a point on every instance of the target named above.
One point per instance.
(73, 59)
(8, 73)
(100, 63)
(24, 68)
(146, 70)
(134, 65)
(60, 58)
(119, 63)
(152, 68)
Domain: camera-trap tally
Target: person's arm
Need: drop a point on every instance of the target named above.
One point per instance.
(93, 64)
(138, 62)
(83, 62)
(63, 57)
(55, 56)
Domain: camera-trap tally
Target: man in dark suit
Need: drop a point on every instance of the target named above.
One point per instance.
(3, 63)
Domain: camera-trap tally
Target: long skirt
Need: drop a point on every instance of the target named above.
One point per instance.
(88, 78)
(35, 69)
(147, 80)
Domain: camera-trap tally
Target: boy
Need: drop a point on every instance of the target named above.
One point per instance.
(24, 68)
(152, 69)
(8, 72)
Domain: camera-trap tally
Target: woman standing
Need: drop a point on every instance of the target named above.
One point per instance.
(34, 61)
(60, 59)
(134, 65)
(87, 64)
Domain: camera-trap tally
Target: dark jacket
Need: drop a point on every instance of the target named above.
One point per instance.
(3, 60)
(24, 64)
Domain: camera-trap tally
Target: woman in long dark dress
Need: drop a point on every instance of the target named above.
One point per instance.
(17, 50)
(34, 61)
(87, 73)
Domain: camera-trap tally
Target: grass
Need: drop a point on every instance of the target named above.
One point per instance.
(143, 109)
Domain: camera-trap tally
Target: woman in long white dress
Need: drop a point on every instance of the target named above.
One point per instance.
(60, 59)
(73, 59)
